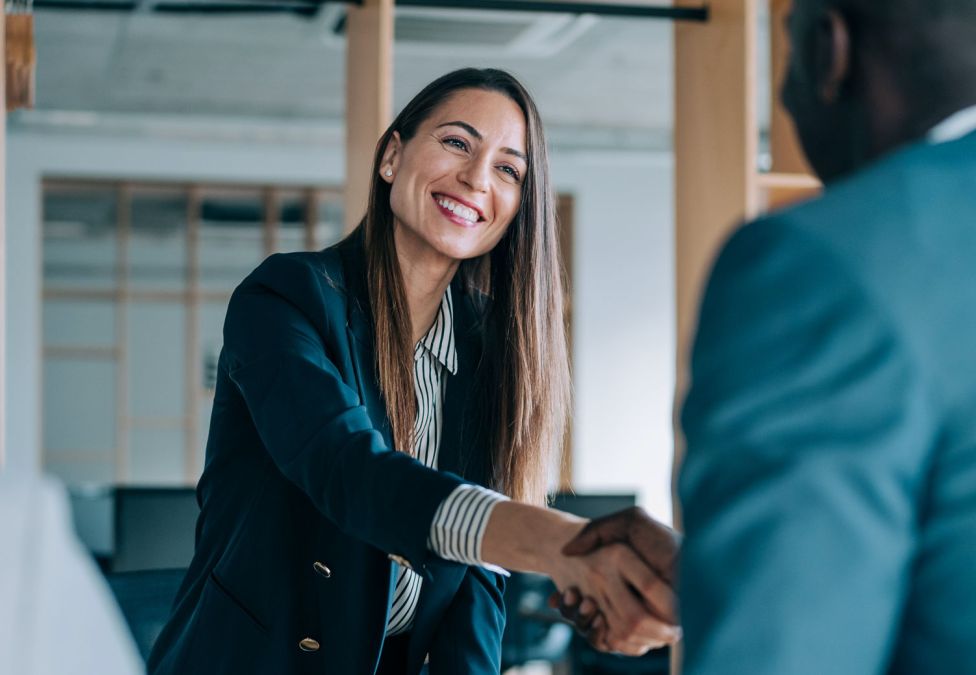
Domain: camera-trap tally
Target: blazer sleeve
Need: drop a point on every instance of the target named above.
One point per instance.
(807, 428)
(313, 423)
(469, 637)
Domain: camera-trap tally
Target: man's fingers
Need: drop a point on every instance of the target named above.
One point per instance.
(588, 540)
(597, 633)
(586, 613)
(658, 596)
(596, 533)
(632, 621)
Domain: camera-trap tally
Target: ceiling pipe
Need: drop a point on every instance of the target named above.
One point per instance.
(311, 7)
(649, 11)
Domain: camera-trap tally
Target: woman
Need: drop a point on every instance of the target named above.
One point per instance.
(435, 329)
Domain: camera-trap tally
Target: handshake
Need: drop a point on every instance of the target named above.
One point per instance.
(616, 579)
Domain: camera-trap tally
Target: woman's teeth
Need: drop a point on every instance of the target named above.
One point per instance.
(459, 210)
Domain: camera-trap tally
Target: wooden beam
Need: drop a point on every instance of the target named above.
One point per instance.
(19, 60)
(3, 242)
(369, 97)
(566, 211)
(716, 143)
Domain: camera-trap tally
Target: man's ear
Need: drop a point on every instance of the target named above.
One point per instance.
(391, 157)
(832, 56)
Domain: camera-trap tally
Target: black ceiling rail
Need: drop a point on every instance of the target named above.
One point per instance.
(311, 7)
(699, 14)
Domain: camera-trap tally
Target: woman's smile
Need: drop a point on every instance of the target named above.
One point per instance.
(458, 212)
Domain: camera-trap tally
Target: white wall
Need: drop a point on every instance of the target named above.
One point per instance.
(623, 267)
(624, 322)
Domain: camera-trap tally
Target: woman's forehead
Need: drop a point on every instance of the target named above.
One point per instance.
(492, 114)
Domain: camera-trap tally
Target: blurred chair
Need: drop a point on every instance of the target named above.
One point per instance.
(533, 631)
(146, 598)
(154, 528)
(154, 531)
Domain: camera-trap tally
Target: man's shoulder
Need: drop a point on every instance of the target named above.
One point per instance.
(889, 193)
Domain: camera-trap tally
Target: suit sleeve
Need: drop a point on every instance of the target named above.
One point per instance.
(807, 427)
(313, 424)
(469, 637)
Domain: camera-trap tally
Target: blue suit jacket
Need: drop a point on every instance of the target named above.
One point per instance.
(299, 471)
(829, 490)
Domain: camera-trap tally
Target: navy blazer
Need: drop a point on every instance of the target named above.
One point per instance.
(304, 504)
(829, 489)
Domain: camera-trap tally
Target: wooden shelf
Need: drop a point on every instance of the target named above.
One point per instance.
(777, 190)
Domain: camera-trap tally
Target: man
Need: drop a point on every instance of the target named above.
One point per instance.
(829, 489)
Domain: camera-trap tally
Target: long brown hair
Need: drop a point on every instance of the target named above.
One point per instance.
(527, 359)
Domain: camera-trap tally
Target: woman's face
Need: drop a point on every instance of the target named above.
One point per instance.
(457, 184)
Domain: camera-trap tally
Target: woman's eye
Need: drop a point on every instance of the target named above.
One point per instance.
(510, 171)
(456, 142)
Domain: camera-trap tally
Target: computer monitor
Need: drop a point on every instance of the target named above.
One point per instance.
(592, 505)
(154, 528)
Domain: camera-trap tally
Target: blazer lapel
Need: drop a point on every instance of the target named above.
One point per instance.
(461, 445)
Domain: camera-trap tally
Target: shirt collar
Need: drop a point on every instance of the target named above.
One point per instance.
(954, 127)
(439, 340)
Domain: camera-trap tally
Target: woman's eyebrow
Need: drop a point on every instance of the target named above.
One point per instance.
(477, 135)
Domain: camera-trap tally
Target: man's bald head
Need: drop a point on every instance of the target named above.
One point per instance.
(928, 42)
(868, 75)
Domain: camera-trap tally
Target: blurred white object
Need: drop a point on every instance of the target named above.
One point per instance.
(57, 614)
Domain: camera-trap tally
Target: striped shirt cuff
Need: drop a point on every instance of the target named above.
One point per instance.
(459, 525)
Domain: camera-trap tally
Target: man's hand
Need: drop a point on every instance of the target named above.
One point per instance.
(655, 543)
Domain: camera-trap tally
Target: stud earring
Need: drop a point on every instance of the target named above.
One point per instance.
(389, 173)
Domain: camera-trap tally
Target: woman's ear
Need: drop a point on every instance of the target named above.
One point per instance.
(391, 157)
(833, 56)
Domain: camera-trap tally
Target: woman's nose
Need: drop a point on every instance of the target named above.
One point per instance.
(475, 174)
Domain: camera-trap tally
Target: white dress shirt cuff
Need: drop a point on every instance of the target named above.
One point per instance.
(459, 525)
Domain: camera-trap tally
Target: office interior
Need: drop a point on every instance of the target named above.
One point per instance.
(157, 151)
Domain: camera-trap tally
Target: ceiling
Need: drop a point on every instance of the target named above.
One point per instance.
(604, 82)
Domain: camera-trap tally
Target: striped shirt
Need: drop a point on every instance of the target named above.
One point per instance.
(459, 523)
